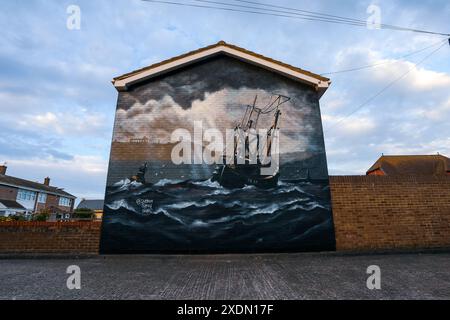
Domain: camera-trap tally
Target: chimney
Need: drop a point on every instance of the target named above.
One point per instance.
(3, 168)
(47, 181)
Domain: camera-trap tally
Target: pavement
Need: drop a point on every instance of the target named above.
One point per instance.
(258, 276)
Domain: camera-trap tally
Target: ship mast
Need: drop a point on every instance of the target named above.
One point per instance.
(250, 121)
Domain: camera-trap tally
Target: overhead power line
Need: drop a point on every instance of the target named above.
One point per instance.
(362, 22)
(389, 85)
(383, 63)
(313, 16)
(263, 12)
(287, 13)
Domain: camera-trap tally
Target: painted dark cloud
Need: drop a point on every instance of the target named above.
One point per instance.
(217, 94)
(211, 76)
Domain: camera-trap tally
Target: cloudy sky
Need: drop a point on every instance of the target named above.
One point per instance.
(57, 102)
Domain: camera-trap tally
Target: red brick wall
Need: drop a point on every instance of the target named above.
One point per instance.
(50, 237)
(53, 201)
(8, 193)
(370, 213)
(381, 213)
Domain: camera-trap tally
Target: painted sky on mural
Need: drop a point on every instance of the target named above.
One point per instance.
(218, 100)
(57, 103)
(158, 119)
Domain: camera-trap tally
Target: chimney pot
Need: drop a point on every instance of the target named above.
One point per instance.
(3, 169)
(47, 181)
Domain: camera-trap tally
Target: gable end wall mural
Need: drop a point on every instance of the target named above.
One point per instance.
(220, 156)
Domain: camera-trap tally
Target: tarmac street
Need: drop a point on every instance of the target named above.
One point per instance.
(256, 276)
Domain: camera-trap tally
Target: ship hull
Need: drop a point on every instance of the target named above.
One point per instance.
(240, 176)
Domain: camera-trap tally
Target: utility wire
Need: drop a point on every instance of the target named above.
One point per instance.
(383, 63)
(319, 17)
(299, 10)
(384, 26)
(392, 83)
(313, 16)
(291, 13)
(243, 11)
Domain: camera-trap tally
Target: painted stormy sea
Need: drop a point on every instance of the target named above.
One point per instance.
(202, 216)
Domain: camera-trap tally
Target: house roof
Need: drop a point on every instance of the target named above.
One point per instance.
(412, 165)
(11, 204)
(91, 204)
(35, 186)
(124, 81)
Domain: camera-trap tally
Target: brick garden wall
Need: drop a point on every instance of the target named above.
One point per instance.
(370, 213)
(50, 237)
(380, 213)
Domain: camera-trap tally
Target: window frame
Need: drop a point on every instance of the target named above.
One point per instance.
(26, 195)
(64, 202)
(40, 196)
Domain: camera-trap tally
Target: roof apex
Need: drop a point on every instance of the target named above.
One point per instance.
(319, 82)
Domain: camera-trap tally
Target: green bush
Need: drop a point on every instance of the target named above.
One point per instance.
(83, 213)
(40, 217)
(17, 218)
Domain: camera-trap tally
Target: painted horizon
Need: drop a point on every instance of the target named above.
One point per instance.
(154, 205)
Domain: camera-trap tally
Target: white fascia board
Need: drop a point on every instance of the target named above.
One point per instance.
(37, 190)
(321, 86)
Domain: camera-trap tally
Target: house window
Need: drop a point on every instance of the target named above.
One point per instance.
(42, 198)
(65, 202)
(26, 195)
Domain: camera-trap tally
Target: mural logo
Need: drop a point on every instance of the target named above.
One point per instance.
(202, 166)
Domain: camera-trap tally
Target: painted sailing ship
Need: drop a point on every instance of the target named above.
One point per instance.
(243, 170)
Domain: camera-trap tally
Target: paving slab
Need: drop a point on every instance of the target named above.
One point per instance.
(257, 276)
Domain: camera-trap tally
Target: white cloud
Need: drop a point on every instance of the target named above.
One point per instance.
(418, 78)
(82, 122)
(348, 126)
(437, 113)
(80, 163)
(82, 176)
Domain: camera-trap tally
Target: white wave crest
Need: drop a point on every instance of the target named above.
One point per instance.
(127, 184)
(208, 183)
(184, 205)
(121, 203)
(164, 182)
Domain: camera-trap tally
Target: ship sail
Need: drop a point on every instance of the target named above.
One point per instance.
(247, 162)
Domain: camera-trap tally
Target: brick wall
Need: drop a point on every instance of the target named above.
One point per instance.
(370, 213)
(8, 193)
(380, 213)
(50, 237)
(53, 202)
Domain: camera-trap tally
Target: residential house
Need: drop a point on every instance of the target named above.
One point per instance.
(94, 205)
(20, 196)
(434, 165)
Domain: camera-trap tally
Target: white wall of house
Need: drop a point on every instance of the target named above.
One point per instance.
(6, 212)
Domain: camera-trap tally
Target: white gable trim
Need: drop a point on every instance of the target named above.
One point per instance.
(123, 84)
(37, 190)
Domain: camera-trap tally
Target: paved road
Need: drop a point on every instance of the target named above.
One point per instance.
(281, 276)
